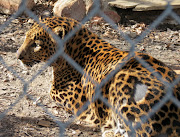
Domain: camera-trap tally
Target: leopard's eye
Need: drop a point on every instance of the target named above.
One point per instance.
(37, 48)
(37, 45)
(33, 45)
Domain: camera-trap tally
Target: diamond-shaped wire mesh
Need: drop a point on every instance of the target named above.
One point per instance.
(94, 11)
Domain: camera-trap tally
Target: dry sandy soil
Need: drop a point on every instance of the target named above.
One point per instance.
(32, 111)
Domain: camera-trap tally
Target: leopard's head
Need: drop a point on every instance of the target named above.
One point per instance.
(39, 45)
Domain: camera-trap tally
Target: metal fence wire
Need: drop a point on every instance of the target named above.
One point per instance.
(95, 10)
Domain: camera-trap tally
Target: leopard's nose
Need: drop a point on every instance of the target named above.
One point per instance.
(20, 57)
(19, 54)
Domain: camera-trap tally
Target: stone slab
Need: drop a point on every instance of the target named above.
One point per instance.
(143, 5)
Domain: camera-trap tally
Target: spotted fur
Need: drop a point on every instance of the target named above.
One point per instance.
(132, 92)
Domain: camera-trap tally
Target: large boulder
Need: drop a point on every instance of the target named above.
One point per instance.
(70, 8)
(11, 6)
(78, 9)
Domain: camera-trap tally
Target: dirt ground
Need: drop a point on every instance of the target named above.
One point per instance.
(33, 112)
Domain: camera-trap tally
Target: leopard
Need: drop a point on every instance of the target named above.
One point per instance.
(110, 88)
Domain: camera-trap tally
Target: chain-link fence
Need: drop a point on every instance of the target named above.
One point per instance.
(94, 11)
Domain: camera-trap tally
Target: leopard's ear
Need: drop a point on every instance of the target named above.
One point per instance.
(59, 30)
(40, 18)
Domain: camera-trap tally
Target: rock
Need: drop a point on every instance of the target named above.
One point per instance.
(6, 80)
(105, 8)
(144, 5)
(70, 8)
(177, 71)
(78, 9)
(113, 15)
(4, 88)
(44, 123)
(11, 6)
(46, 13)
